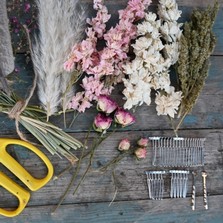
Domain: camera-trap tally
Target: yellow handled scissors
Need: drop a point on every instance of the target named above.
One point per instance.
(31, 182)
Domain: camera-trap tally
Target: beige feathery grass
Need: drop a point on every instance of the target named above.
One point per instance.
(61, 25)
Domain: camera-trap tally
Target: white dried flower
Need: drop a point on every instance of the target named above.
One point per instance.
(168, 104)
(156, 50)
(168, 10)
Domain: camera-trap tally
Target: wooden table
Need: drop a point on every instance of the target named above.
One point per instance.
(91, 203)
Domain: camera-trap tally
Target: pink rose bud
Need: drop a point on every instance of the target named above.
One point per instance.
(124, 117)
(140, 153)
(106, 104)
(124, 145)
(102, 122)
(143, 142)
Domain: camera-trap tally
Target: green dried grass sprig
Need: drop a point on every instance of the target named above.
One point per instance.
(196, 45)
(54, 139)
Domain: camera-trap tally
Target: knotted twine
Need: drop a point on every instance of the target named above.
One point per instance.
(21, 105)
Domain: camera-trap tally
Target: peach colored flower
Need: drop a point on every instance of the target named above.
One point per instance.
(143, 142)
(124, 117)
(124, 145)
(106, 104)
(140, 153)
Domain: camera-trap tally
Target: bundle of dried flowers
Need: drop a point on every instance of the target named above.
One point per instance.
(54, 139)
(61, 25)
(156, 49)
(104, 67)
(196, 45)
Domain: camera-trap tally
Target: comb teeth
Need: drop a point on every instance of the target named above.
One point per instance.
(178, 152)
(155, 184)
(178, 183)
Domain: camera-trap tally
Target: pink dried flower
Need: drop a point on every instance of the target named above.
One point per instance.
(84, 104)
(106, 104)
(124, 117)
(143, 142)
(124, 145)
(102, 122)
(27, 7)
(140, 153)
(75, 102)
(109, 60)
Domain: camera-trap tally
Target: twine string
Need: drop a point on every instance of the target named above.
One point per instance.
(21, 105)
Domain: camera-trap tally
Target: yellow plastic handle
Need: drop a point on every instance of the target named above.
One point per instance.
(22, 195)
(8, 161)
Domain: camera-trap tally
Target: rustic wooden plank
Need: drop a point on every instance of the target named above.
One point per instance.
(143, 211)
(130, 175)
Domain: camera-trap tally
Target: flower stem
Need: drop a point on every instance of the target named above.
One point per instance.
(74, 118)
(181, 121)
(114, 161)
(96, 144)
(74, 175)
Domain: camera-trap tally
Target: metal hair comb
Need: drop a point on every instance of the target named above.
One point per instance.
(178, 183)
(177, 151)
(155, 182)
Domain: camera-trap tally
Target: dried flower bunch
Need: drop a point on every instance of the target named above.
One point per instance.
(196, 45)
(106, 64)
(156, 50)
(61, 25)
(54, 139)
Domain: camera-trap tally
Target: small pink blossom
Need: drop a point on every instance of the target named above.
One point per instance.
(102, 122)
(75, 101)
(106, 104)
(84, 104)
(124, 117)
(27, 7)
(140, 153)
(124, 145)
(143, 142)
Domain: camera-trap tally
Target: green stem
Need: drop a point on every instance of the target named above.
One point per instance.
(89, 165)
(114, 161)
(173, 126)
(74, 118)
(74, 175)
(181, 121)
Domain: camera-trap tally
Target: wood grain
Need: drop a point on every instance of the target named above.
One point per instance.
(130, 173)
(141, 211)
(91, 202)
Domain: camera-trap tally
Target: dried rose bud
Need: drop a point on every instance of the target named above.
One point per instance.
(124, 117)
(102, 122)
(124, 145)
(106, 104)
(140, 153)
(143, 142)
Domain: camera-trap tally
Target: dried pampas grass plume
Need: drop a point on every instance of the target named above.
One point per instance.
(61, 25)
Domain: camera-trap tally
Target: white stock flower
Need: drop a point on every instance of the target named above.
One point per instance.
(168, 10)
(150, 17)
(156, 49)
(133, 66)
(144, 28)
(172, 51)
(161, 81)
(141, 44)
(171, 31)
(168, 104)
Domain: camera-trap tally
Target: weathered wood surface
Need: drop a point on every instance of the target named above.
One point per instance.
(91, 202)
